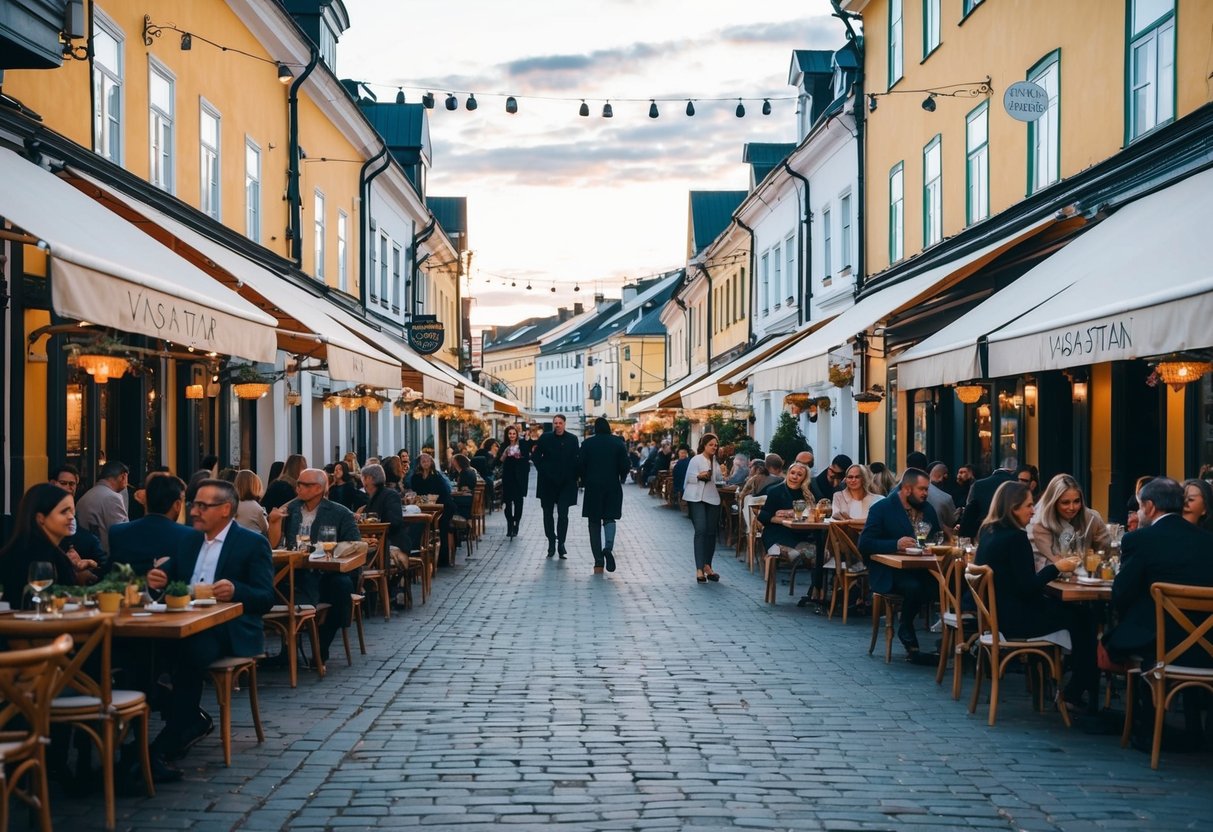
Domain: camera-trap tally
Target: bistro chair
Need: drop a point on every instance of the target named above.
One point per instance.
(997, 652)
(27, 680)
(225, 676)
(888, 605)
(286, 618)
(478, 510)
(752, 506)
(849, 569)
(375, 573)
(1172, 605)
(954, 620)
(422, 558)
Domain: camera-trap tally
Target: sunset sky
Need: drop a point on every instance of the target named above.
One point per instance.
(560, 200)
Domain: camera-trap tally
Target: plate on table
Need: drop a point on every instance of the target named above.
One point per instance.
(204, 602)
(71, 607)
(155, 607)
(913, 550)
(1088, 581)
(177, 609)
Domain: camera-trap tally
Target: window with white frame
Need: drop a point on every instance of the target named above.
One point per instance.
(384, 267)
(977, 164)
(930, 26)
(208, 162)
(1151, 65)
(827, 247)
(932, 193)
(397, 258)
(374, 269)
(844, 238)
(107, 88)
(160, 126)
(777, 275)
(764, 270)
(789, 272)
(897, 217)
(1044, 134)
(252, 191)
(318, 227)
(343, 266)
(896, 45)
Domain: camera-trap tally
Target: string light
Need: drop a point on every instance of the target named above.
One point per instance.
(653, 109)
(690, 107)
(471, 102)
(511, 105)
(607, 112)
(584, 109)
(452, 103)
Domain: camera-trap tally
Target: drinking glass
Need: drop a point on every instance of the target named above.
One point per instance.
(303, 537)
(921, 529)
(41, 575)
(966, 546)
(799, 507)
(328, 539)
(1092, 562)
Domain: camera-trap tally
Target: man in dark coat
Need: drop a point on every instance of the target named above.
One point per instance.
(602, 463)
(157, 534)
(555, 458)
(981, 495)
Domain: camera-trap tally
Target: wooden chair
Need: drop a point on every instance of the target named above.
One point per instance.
(842, 540)
(1172, 605)
(286, 618)
(421, 560)
(996, 652)
(888, 605)
(954, 619)
(27, 681)
(375, 573)
(753, 537)
(225, 676)
(89, 704)
(477, 519)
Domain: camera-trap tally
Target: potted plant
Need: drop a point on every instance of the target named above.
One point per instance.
(248, 382)
(177, 595)
(103, 358)
(111, 592)
(59, 597)
(841, 375)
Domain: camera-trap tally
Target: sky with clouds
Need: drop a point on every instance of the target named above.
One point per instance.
(558, 200)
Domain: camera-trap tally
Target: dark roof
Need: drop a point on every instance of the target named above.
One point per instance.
(402, 126)
(650, 323)
(596, 328)
(813, 60)
(711, 213)
(452, 214)
(848, 56)
(764, 157)
(519, 334)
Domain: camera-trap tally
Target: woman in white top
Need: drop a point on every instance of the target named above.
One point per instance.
(703, 504)
(1063, 525)
(856, 497)
(250, 513)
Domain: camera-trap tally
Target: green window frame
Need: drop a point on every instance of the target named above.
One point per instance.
(896, 51)
(897, 212)
(1150, 80)
(931, 27)
(968, 6)
(977, 163)
(1044, 134)
(932, 191)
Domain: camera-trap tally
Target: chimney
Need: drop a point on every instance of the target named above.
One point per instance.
(578, 308)
(629, 293)
(599, 297)
(562, 314)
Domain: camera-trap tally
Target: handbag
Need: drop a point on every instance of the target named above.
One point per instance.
(1105, 661)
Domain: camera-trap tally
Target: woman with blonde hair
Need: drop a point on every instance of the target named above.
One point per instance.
(883, 480)
(250, 513)
(1063, 525)
(856, 496)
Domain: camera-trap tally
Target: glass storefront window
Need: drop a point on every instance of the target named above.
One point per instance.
(1008, 427)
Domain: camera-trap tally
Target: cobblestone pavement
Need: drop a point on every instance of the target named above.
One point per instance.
(529, 693)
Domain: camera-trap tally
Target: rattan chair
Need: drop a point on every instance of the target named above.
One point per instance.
(376, 572)
(849, 568)
(954, 620)
(225, 676)
(287, 619)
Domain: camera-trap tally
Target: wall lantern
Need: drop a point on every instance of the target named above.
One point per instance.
(194, 391)
(970, 393)
(1029, 397)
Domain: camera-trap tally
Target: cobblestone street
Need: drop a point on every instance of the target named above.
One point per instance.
(530, 693)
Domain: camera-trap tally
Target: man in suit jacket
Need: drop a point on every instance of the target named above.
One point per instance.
(601, 464)
(157, 534)
(555, 458)
(890, 528)
(981, 495)
(104, 504)
(312, 586)
(239, 567)
(1166, 548)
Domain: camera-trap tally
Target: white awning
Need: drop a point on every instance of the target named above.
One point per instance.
(669, 397)
(807, 363)
(1139, 284)
(476, 397)
(435, 386)
(107, 272)
(349, 358)
(720, 384)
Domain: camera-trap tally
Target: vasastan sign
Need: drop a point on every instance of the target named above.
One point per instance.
(1090, 340)
(426, 334)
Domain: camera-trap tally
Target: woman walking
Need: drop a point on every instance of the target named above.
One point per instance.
(515, 459)
(703, 504)
(601, 463)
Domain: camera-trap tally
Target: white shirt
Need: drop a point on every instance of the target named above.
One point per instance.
(695, 489)
(844, 503)
(208, 557)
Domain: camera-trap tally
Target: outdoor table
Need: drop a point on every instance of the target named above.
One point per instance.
(347, 563)
(1074, 591)
(138, 623)
(903, 561)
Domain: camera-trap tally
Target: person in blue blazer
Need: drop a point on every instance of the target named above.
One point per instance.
(889, 529)
(157, 534)
(238, 565)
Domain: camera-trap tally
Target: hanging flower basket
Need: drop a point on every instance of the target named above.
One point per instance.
(799, 402)
(248, 382)
(869, 400)
(103, 358)
(841, 375)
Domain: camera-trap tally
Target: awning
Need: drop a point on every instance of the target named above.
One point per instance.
(727, 380)
(106, 272)
(476, 397)
(671, 396)
(1139, 284)
(304, 327)
(807, 363)
(435, 386)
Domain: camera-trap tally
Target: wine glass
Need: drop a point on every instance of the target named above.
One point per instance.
(966, 546)
(799, 507)
(303, 537)
(328, 539)
(921, 530)
(41, 576)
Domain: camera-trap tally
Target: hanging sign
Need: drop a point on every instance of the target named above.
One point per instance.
(1025, 101)
(426, 334)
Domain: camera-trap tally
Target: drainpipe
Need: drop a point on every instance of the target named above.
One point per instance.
(294, 200)
(753, 291)
(425, 234)
(804, 242)
(860, 114)
(364, 225)
(708, 326)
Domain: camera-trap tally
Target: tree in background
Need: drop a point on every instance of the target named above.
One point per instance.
(788, 440)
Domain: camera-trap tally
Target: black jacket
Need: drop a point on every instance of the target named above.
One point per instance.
(1023, 610)
(555, 459)
(515, 471)
(780, 497)
(386, 503)
(602, 461)
(142, 541)
(981, 496)
(15, 563)
(887, 523)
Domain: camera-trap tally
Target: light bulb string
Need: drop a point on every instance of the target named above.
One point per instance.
(664, 99)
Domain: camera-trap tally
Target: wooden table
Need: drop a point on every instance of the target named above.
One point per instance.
(901, 561)
(1074, 591)
(342, 564)
(137, 623)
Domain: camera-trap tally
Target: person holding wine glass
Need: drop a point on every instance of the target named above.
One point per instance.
(1063, 525)
(43, 519)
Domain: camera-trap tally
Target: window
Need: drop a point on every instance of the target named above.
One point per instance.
(318, 226)
(977, 164)
(252, 191)
(160, 127)
(1044, 134)
(895, 42)
(742, 293)
(845, 208)
(932, 194)
(107, 89)
(208, 164)
(343, 268)
(777, 277)
(827, 253)
(897, 217)
(789, 273)
(969, 5)
(1151, 65)
(384, 265)
(764, 283)
(370, 283)
(930, 26)
(627, 353)
(396, 259)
